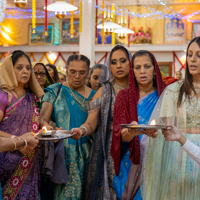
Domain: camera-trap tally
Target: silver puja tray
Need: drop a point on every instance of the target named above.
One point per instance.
(144, 126)
(54, 135)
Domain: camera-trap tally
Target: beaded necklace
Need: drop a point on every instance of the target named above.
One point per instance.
(118, 87)
(82, 103)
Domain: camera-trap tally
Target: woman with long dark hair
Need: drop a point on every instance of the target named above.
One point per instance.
(53, 72)
(168, 171)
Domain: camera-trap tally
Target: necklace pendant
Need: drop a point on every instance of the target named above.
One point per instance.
(82, 105)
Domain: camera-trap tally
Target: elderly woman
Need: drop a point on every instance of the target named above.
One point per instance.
(174, 171)
(42, 75)
(100, 171)
(53, 72)
(66, 105)
(134, 105)
(20, 91)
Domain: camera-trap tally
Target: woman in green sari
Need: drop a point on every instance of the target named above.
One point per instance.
(66, 106)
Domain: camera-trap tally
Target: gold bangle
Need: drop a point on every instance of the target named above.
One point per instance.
(128, 131)
(15, 145)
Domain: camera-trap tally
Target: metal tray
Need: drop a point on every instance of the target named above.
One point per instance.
(54, 135)
(144, 126)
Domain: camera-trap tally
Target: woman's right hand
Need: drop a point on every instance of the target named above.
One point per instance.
(78, 132)
(174, 134)
(32, 142)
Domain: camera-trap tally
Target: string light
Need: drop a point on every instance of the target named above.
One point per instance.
(26, 13)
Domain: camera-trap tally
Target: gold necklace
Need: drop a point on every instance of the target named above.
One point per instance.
(82, 103)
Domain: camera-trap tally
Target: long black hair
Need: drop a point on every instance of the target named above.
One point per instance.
(55, 78)
(119, 47)
(187, 86)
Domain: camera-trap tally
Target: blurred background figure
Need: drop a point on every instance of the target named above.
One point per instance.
(53, 72)
(62, 77)
(178, 75)
(93, 78)
(42, 75)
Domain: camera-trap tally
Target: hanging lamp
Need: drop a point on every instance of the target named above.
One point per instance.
(20, 3)
(122, 32)
(108, 26)
(61, 8)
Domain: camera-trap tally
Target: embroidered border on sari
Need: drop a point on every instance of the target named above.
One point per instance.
(19, 176)
(10, 109)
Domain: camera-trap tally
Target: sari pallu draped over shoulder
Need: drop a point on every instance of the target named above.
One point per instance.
(125, 112)
(20, 175)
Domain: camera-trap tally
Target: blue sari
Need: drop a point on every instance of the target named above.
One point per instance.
(1, 197)
(145, 108)
(68, 114)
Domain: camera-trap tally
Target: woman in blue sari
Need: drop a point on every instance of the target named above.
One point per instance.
(134, 105)
(66, 106)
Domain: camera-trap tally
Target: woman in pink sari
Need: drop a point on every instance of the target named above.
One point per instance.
(19, 94)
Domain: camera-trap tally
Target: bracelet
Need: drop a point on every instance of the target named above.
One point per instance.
(15, 145)
(86, 131)
(13, 136)
(25, 144)
(24, 141)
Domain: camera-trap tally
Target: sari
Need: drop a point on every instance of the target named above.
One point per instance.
(127, 106)
(145, 108)
(68, 113)
(1, 198)
(19, 174)
(100, 171)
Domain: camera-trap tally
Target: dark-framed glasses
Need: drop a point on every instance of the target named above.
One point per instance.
(41, 74)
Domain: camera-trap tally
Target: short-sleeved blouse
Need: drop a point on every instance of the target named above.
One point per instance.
(4, 100)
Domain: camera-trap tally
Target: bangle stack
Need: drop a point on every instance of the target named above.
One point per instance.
(86, 131)
(24, 142)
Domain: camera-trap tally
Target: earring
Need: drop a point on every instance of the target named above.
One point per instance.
(154, 77)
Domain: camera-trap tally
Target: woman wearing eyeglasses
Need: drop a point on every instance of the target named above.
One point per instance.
(42, 75)
(66, 105)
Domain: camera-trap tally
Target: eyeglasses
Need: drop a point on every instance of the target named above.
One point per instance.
(74, 73)
(41, 74)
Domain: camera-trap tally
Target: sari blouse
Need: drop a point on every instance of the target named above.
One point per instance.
(4, 101)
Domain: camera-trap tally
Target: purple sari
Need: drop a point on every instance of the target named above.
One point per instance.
(19, 174)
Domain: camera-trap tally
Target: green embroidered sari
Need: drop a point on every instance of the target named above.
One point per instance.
(68, 113)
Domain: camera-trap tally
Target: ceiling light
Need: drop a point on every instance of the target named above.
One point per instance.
(60, 8)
